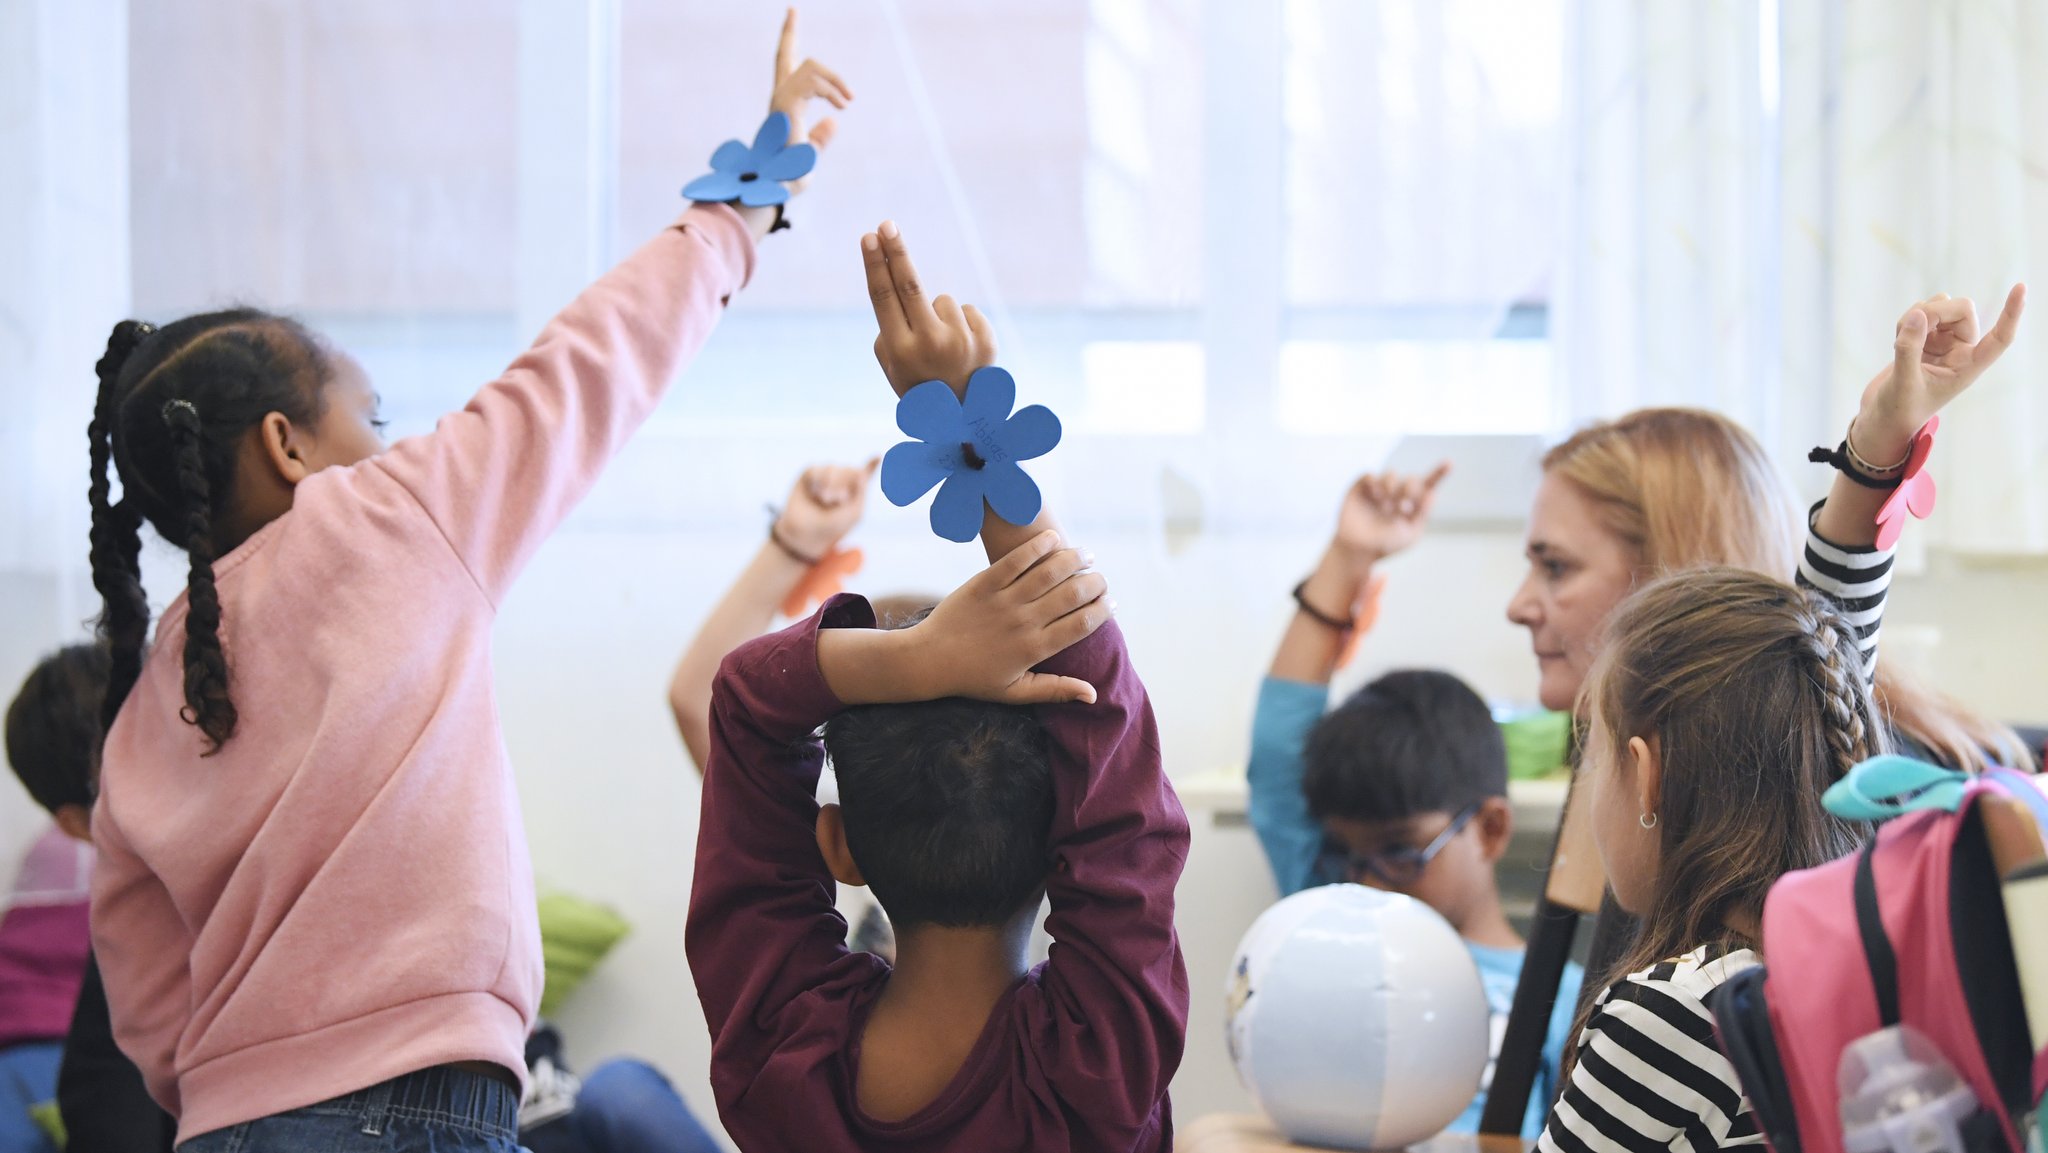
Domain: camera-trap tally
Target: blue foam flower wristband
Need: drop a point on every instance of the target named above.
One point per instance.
(969, 447)
(755, 175)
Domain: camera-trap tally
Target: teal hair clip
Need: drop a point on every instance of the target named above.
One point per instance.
(1890, 786)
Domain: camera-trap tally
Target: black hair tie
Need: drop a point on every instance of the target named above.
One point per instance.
(1839, 458)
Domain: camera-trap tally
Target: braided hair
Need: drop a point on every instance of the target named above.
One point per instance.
(1751, 690)
(173, 407)
(1837, 680)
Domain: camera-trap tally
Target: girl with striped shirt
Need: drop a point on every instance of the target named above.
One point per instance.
(1720, 706)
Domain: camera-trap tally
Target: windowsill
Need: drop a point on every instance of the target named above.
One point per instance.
(1224, 794)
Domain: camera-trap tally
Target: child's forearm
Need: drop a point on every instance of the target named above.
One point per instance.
(1849, 515)
(872, 666)
(758, 220)
(999, 538)
(1310, 649)
(744, 613)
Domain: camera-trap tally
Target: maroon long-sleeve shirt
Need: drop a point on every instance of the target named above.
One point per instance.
(1078, 1053)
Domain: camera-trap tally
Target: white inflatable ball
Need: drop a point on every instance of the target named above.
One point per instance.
(1357, 1019)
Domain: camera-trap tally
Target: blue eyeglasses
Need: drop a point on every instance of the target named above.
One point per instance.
(1396, 868)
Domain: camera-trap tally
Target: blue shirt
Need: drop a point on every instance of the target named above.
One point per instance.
(1287, 711)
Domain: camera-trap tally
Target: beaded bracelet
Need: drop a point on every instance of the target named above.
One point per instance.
(1336, 624)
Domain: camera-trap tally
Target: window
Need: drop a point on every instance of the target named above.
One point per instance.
(1056, 164)
(1423, 180)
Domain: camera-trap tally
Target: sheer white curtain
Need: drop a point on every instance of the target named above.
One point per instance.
(1665, 290)
(1916, 161)
(1756, 196)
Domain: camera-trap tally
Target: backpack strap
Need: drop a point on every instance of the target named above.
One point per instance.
(1877, 945)
(1891, 785)
(1742, 1019)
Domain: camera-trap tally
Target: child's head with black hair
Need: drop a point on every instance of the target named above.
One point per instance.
(209, 424)
(54, 733)
(1408, 779)
(945, 807)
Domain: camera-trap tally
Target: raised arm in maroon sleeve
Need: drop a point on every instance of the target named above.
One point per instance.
(1114, 995)
(762, 928)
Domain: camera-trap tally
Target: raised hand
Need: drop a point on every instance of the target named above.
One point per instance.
(1936, 354)
(983, 640)
(921, 338)
(824, 505)
(797, 83)
(1384, 514)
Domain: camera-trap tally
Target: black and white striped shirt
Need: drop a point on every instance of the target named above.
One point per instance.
(1650, 1076)
(1856, 579)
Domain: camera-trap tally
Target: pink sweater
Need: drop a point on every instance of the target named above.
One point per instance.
(342, 894)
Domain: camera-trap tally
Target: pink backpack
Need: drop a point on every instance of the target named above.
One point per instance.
(1911, 930)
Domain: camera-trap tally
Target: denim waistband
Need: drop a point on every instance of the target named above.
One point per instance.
(443, 1094)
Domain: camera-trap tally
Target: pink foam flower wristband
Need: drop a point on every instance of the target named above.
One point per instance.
(1915, 493)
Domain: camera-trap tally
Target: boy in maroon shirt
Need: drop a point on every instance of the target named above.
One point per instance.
(1001, 749)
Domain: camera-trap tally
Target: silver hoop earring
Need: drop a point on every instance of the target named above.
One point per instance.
(1647, 820)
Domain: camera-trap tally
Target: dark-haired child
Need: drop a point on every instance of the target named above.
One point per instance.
(1404, 785)
(970, 786)
(314, 909)
(49, 986)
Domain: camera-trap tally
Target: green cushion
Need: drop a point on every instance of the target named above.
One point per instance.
(51, 1122)
(1537, 741)
(575, 935)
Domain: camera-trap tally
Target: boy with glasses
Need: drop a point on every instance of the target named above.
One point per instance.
(1403, 786)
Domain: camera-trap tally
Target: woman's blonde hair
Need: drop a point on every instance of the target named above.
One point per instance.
(1685, 487)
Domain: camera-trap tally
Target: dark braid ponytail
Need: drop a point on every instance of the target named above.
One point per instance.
(116, 537)
(174, 406)
(207, 704)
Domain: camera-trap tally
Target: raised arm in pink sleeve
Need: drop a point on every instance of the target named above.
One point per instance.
(762, 927)
(499, 475)
(1115, 987)
(141, 944)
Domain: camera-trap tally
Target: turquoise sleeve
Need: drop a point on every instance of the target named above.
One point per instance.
(1287, 711)
(1551, 1076)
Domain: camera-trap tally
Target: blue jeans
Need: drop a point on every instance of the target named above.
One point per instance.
(625, 1107)
(438, 1110)
(28, 1077)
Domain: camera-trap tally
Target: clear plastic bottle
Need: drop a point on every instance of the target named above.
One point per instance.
(1898, 1094)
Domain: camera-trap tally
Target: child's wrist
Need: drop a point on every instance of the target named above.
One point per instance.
(1882, 434)
(903, 668)
(870, 666)
(759, 221)
(1346, 565)
(1334, 588)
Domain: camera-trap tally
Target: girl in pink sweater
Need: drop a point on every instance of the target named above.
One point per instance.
(314, 909)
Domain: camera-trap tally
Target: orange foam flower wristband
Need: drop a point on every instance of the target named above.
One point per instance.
(1364, 615)
(825, 580)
